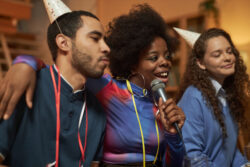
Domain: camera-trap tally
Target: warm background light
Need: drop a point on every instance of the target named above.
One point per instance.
(28, 18)
(235, 18)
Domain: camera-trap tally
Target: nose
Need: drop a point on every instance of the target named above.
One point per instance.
(104, 47)
(165, 62)
(227, 56)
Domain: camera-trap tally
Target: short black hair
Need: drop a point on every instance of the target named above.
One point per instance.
(128, 35)
(69, 23)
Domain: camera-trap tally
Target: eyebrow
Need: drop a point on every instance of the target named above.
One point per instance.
(95, 33)
(219, 50)
(154, 52)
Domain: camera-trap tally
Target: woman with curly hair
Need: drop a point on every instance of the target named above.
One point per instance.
(140, 52)
(213, 94)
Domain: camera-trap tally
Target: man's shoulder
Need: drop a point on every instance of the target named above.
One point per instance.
(43, 78)
(44, 72)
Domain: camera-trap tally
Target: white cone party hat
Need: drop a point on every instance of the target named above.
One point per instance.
(55, 8)
(189, 36)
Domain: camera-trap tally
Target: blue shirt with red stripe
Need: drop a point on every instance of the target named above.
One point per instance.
(122, 142)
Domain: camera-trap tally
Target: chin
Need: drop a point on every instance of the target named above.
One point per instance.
(165, 80)
(96, 75)
(229, 73)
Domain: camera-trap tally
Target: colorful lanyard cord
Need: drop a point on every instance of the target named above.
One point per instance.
(57, 98)
(142, 137)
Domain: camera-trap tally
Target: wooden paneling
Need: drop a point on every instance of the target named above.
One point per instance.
(12, 45)
(5, 50)
(15, 9)
(8, 25)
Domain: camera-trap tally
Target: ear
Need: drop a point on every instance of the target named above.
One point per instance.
(63, 42)
(201, 64)
(133, 70)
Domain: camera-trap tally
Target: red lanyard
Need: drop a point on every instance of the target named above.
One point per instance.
(86, 133)
(57, 97)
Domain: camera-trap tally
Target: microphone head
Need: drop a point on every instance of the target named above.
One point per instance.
(157, 84)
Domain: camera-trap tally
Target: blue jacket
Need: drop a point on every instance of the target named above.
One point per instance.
(202, 133)
(28, 138)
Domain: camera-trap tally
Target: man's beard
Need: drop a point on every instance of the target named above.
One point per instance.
(82, 62)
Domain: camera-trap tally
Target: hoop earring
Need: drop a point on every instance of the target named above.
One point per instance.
(145, 92)
(138, 73)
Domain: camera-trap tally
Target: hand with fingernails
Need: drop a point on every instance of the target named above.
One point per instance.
(169, 113)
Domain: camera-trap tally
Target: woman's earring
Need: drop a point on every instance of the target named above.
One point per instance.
(145, 92)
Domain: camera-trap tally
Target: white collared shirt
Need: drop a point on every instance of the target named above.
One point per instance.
(220, 92)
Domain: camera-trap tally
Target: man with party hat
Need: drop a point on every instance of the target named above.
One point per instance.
(66, 124)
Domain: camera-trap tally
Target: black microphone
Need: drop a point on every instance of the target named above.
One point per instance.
(158, 90)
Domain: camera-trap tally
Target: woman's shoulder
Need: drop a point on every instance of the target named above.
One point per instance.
(192, 91)
(97, 84)
(191, 95)
(107, 76)
(192, 102)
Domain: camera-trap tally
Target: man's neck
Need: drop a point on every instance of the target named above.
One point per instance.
(76, 80)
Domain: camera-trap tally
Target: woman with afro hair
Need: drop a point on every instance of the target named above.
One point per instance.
(213, 94)
(140, 52)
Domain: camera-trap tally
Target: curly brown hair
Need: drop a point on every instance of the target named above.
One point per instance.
(237, 86)
(128, 35)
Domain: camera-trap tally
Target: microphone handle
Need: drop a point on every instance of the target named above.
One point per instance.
(162, 94)
(178, 130)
